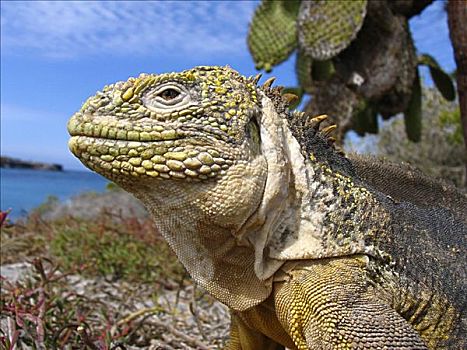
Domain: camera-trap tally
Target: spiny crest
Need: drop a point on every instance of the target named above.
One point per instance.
(268, 83)
(290, 98)
(298, 119)
(315, 123)
(329, 129)
(306, 129)
(266, 87)
(256, 79)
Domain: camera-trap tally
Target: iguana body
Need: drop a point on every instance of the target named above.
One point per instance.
(304, 246)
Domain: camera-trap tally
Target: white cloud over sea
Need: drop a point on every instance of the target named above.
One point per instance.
(73, 29)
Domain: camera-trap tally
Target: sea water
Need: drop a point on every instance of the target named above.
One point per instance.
(25, 189)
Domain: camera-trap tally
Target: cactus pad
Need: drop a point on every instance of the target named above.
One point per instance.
(273, 34)
(303, 68)
(325, 28)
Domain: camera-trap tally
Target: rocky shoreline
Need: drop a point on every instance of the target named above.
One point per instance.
(13, 163)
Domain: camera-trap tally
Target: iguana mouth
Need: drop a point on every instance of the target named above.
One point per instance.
(147, 149)
(162, 159)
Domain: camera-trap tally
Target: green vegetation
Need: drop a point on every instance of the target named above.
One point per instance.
(111, 246)
(451, 122)
(127, 249)
(45, 310)
(440, 152)
(349, 55)
(47, 315)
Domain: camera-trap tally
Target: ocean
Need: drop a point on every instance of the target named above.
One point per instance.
(25, 189)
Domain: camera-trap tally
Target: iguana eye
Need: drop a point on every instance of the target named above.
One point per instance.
(169, 94)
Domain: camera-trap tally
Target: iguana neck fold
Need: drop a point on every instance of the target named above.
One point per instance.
(300, 216)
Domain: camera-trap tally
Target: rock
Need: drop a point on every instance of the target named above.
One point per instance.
(89, 206)
(16, 272)
(7, 162)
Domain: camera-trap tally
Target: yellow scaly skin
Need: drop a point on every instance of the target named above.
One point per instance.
(272, 221)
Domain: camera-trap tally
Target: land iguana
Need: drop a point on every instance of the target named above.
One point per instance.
(308, 248)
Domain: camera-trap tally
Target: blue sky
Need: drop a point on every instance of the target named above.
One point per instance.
(56, 54)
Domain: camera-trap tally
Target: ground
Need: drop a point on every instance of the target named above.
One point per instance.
(72, 277)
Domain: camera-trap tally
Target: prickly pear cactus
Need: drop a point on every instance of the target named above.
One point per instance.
(413, 113)
(273, 32)
(325, 28)
(303, 68)
(356, 58)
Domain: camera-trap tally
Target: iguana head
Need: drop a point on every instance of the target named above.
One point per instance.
(189, 126)
(188, 132)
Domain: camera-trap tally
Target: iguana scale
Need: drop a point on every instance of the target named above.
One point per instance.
(308, 248)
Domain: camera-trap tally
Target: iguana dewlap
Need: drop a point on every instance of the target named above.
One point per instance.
(305, 247)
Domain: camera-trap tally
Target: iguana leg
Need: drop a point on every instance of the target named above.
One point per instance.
(243, 337)
(328, 304)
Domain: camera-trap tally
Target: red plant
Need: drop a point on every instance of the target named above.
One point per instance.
(3, 215)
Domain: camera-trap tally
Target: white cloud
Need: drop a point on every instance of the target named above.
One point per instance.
(122, 28)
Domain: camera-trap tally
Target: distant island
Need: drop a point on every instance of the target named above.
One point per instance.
(7, 162)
